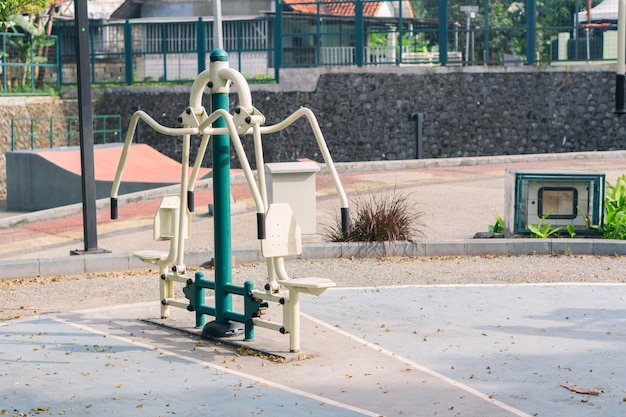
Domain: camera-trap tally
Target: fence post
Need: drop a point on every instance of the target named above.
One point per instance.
(5, 85)
(58, 61)
(12, 134)
(486, 56)
(358, 33)
(32, 134)
(531, 31)
(278, 40)
(443, 32)
(69, 131)
(31, 65)
(51, 136)
(201, 44)
(164, 48)
(128, 52)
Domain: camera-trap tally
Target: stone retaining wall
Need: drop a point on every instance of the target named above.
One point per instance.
(367, 115)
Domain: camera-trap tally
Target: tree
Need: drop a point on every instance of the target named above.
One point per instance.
(507, 21)
(25, 18)
(9, 8)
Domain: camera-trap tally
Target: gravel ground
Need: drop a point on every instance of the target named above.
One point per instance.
(44, 295)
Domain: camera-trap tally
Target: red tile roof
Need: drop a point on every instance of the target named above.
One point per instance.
(370, 8)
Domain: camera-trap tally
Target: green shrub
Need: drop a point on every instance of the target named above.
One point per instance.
(498, 226)
(614, 226)
(543, 230)
(378, 218)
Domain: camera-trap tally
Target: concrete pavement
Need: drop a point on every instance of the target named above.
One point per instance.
(415, 351)
(467, 350)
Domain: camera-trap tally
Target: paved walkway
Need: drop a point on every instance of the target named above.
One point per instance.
(457, 198)
(404, 350)
(414, 351)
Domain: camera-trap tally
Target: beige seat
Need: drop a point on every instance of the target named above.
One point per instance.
(166, 228)
(283, 238)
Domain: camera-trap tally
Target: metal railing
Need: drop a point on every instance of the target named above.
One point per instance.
(310, 34)
(56, 131)
(146, 52)
(28, 64)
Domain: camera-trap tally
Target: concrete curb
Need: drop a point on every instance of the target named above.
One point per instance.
(78, 264)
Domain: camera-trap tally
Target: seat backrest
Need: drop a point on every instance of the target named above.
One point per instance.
(283, 236)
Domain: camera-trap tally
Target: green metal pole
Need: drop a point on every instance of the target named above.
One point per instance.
(221, 199)
(278, 40)
(58, 62)
(128, 53)
(201, 44)
(486, 53)
(358, 33)
(443, 32)
(13, 133)
(531, 31)
(51, 133)
(164, 48)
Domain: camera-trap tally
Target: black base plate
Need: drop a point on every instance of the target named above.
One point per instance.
(215, 330)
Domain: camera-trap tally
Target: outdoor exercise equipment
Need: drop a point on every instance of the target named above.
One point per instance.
(277, 228)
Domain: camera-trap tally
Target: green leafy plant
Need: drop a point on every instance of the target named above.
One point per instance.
(377, 218)
(614, 226)
(498, 226)
(571, 230)
(543, 230)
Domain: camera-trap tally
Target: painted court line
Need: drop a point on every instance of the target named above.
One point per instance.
(419, 367)
(224, 369)
(521, 284)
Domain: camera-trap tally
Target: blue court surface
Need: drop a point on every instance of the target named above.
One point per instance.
(514, 350)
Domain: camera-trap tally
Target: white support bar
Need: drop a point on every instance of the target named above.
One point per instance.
(268, 297)
(268, 324)
(175, 303)
(177, 278)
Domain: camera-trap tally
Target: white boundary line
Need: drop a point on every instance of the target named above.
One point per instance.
(511, 284)
(222, 369)
(421, 368)
(429, 371)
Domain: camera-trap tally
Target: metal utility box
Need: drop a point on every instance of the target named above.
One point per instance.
(557, 197)
(294, 183)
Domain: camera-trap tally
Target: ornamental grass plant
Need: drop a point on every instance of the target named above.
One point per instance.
(378, 217)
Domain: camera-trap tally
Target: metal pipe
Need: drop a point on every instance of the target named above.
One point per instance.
(129, 140)
(305, 112)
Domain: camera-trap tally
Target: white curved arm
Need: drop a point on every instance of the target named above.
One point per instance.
(132, 127)
(225, 74)
(198, 164)
(260, 163)
(240, 83)
(321, 143)
(197, 88)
